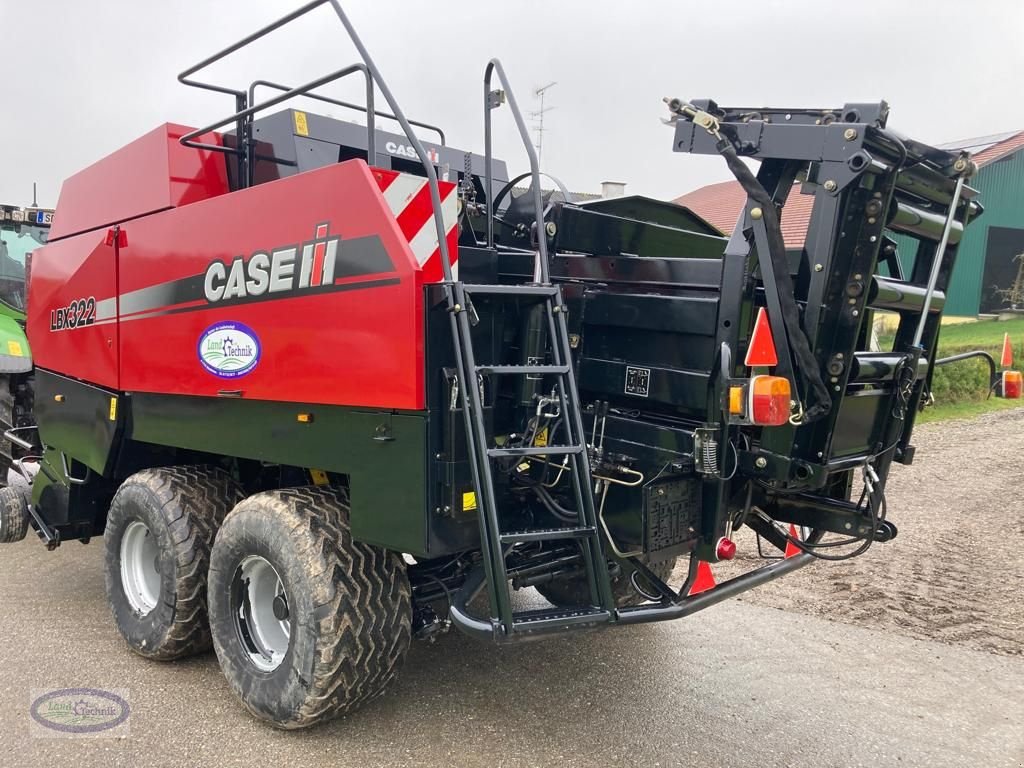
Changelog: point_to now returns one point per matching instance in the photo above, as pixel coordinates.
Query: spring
(709, 455)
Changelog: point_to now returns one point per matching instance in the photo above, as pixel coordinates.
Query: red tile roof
(999, 151)
(720, 204)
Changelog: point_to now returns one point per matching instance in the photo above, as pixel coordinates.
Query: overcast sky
(79, 79)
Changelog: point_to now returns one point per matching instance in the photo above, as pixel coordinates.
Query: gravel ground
(742, 684)
(955, 572)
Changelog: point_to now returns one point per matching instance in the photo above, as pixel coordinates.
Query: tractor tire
(14, 517)
(573, 590)
(6, 422)
(160, 529)
(307, 623)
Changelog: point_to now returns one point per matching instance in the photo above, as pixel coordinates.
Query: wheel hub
(261, 613)
(140, 567)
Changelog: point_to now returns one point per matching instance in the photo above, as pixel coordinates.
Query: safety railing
(492, 100)
(244, 110)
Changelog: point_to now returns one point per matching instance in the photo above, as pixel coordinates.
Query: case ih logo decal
(405, 151)
(283, 270)
(321, 265)
(229, 350)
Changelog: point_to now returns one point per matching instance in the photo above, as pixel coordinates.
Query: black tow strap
(808, 366)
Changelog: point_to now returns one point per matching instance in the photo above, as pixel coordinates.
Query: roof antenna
(34, 203)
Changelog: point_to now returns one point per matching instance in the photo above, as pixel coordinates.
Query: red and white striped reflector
(408, 197)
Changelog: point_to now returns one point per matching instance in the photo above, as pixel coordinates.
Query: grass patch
(966, 410)
(985, 334)
(960, 388)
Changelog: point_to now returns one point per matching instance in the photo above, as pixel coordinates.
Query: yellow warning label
(14, 348)
(541, 439)
(468, 501)
(301, 127)
(319, 476)
(113, 409)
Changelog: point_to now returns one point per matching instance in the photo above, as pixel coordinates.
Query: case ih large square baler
(322, 388)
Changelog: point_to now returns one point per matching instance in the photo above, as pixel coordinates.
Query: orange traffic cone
(791, 548)
(1007, 360)
(705, 579)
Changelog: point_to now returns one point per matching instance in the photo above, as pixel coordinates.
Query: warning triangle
(1007, 360)
(705, 579)
(791, 548)
(761, 351)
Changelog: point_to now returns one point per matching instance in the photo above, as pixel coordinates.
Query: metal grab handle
(67, 472)
(494, 65)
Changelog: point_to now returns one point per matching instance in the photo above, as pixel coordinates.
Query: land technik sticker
(80, 712)
(229, 350)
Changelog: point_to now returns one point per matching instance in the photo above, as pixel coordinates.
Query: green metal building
(986, 260)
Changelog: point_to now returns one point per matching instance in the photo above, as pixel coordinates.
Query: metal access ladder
(504, 623)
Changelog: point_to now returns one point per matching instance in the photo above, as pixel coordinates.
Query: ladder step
(511, 290)
(547, 534)
(552, 450)
(558, 619)
(522, 369)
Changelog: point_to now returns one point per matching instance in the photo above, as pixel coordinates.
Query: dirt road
(955, 572)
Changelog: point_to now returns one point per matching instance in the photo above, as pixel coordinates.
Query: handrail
(242, 115)
(993, 376)
(368, 67)
(373, 75)
(183, 78)
(348, 105)
(490, 102)
(371, 133)
(435, 191)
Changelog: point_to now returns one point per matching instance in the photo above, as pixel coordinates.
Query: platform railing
(242, 117)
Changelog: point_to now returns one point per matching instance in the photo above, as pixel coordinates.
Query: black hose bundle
(806, 362)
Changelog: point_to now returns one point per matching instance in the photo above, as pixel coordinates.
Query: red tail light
(1012, 384)
(769, 400)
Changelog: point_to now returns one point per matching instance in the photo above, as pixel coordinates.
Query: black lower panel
(384, 454)
(78, 418)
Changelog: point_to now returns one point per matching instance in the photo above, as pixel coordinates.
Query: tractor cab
(22, 230)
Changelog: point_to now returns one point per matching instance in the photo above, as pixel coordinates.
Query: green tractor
(22, 230)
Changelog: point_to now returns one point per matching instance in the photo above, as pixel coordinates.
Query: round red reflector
(726, 549)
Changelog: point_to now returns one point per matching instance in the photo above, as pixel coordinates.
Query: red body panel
(356, 339)
(71, 271)
(153, 173)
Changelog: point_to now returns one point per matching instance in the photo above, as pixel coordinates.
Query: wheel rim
(140, 569)
(262, 613)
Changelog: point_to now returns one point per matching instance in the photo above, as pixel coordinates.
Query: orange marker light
(761, 351)
(769, 400)
(1012, 381)
(736, 401)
